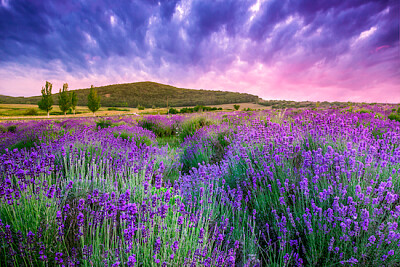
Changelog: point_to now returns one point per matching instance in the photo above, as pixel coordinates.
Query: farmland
(258, 188)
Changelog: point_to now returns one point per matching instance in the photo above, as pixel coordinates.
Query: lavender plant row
(312, 188)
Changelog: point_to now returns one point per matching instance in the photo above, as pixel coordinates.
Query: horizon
(305, 100)
(277, 50)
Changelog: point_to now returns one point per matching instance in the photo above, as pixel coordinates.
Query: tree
(236, 107)
(74, 101)
(64, 100)
(47, 100)
(93, 100)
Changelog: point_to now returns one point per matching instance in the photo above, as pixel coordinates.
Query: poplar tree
(47, 100)
(74, 101)
(93, 100)
(64, 100)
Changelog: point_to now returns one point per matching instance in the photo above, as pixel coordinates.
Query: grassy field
(20, 111)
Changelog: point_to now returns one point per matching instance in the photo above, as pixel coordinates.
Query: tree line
(67, 100)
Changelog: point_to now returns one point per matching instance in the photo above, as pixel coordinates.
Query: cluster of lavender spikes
(308, 188)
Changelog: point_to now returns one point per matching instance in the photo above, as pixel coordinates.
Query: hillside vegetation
(147, 94)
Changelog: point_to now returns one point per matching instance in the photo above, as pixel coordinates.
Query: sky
(277, 49)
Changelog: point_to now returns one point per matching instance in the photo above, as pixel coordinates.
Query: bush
(191, 126)
(2, 129)
(362, 111)
(139, 107)
(103, 123)
(12, 128)
(117, 109)
(31, 112)
(139, 140)
(394, 117)
(236, 107)
(186, 110)
(173, 111)
(156, 127)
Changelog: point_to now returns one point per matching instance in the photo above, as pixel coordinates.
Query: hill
(147, 94)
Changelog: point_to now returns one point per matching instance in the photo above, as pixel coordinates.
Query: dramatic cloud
(278, 49)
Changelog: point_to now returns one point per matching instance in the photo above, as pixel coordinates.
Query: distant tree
(93, 100)
(47, 100)
(74, 101)
(140, 107)
(173, 111)
(64, 99)
(236, 107)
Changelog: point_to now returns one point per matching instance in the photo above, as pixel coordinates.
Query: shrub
(186, 110)
(362, 111)
(173, 111)
(394, 117)
(31, 112)
(117, 109)
(12, 128)
(156, 127)
(236, 107)
(103, 123)
(139, 107)
(139, 140)
(191, 126)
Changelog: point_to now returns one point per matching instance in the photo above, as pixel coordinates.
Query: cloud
(347, 46)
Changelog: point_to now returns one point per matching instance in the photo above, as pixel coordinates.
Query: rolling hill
(147, 94)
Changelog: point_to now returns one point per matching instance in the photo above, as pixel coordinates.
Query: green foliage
(236, 107)
(46, 102)
(12, 128)
(173, 111)
(377, 133)
(186, 110)
(139, 107)
(31, 112)
(93, 100)
(198, 108)
(157, 128)
(394, 117)
(24, 144)
(64, 99)
(147, 94)
(103, 123)
(142, 140)
(117, 109)
(74, 100)
(3, 129)
(363, 111)
(171, 141)
(139, 140)
(189, 127)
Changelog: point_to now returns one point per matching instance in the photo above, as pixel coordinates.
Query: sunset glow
(292, 50)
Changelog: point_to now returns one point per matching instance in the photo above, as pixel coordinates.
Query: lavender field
(266, 188)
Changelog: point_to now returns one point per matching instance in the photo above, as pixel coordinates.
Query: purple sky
(277, 49)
